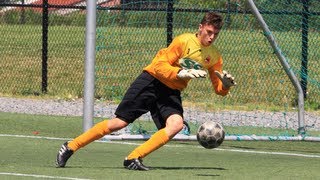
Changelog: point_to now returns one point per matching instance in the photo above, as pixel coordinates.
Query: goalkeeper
(157, 90)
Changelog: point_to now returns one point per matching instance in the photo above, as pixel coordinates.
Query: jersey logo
(188, 63)
(207, 60)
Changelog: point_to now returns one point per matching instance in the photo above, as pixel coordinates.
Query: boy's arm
(216, 82)
(166, 62)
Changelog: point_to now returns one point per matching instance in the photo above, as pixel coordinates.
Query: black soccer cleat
(134, 164)
(63, 155)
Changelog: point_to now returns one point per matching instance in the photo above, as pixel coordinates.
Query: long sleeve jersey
(186, 52)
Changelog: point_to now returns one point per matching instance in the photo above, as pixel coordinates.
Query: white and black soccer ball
(210, 135)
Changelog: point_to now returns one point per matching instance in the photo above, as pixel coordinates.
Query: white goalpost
(234, 118)
(90, 56)
(285, 65)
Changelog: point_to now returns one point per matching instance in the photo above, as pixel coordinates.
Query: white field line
(131, 143)
(39, 176)
(272, 153)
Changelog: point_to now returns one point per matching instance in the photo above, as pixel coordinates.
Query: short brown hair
(212, 18)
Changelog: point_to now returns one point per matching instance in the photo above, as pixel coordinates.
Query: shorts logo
(188, 63)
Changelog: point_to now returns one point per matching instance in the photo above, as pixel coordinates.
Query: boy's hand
(191, 73)
(226, 78)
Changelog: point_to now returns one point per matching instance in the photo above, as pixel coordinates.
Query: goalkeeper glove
(226, 78)
(191, 73)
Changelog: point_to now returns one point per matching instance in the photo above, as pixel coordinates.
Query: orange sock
(156, 141)
(95, 133)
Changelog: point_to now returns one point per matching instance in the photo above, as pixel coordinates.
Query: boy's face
(207, 34)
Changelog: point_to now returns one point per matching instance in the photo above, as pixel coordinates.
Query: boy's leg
(95, 133)
(173, 126)
(132, 106)
(157, 140)
(134, 162)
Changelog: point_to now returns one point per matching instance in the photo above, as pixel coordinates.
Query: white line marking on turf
(34, 137)
(130, 143)
(39, 176)
(275, 153)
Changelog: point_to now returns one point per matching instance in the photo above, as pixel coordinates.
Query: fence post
(169, 21)
(45, 23)
(304, 46)
(23, 14)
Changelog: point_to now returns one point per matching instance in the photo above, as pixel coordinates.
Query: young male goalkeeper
(157, 89)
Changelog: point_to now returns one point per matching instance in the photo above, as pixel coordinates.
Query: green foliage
(21, 17)
(31, 17)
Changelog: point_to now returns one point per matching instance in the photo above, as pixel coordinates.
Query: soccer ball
(210, 135)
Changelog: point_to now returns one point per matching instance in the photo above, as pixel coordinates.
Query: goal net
(263, 106)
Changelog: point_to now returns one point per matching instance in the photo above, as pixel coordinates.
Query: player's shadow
(207, 175)
(242, 147)
(187, 168)
(156, 168)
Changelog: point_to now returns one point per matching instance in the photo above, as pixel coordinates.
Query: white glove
(226, 78)
(191, 73)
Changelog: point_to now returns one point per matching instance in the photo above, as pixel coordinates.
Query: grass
(30, 124)
(101, 161)
(178, 160)
(247, 55)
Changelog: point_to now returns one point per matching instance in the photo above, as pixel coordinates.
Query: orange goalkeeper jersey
(186, 52)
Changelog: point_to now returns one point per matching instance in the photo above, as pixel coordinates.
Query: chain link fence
(42, 49)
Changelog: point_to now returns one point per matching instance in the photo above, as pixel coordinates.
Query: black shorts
(146, 94)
